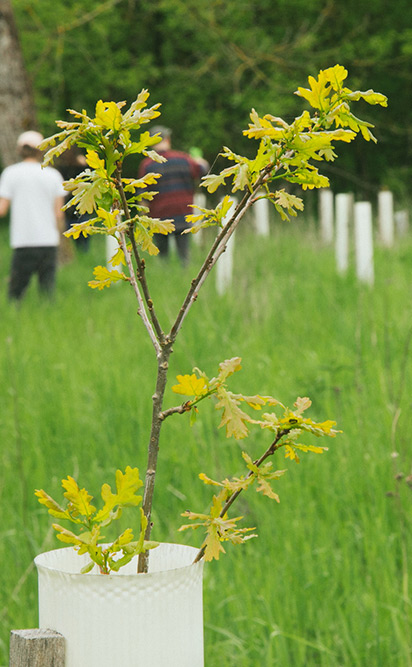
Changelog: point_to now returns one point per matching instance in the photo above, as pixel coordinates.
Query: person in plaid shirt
(175, 190)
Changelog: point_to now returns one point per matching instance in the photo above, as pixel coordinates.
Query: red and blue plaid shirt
(175, 187)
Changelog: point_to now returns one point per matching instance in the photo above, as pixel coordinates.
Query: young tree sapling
(285, 152)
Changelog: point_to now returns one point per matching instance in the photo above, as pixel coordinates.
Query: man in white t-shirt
(35, 197)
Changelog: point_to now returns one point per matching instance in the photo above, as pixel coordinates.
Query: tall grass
(327, 581)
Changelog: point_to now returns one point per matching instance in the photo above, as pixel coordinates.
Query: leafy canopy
(286, 151)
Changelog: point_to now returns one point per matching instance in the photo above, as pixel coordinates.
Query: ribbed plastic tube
(153, 619)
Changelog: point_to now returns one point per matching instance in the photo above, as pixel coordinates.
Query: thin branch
(177, 410)
(141, 274)
(153, 450)
(269, 452)
(141, 306)
(218, 247)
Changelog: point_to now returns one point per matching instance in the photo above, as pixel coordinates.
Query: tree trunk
(17, 112)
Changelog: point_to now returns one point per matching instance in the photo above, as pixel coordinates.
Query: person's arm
(203, 164)
(4, 206)
(198, 166)
(59, 214)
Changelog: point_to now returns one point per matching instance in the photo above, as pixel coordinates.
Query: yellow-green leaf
(228, 367)
(118, 258)
(190, 385)
(79, 499)
(233, 417)
(53, 507)
(127, 485)
(105, 277)
(211, 182)
(108, 218)
(95, 162)
(213, 545)
(336, 75)
(108, 115)
(291, 454)
(265, 488)
(161, 226)
(207, 480)
(302, 404)
(144, 239)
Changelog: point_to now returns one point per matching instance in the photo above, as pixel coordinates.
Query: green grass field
(327, 581)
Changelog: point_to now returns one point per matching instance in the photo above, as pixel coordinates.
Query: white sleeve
(5, 185)
(60, 191)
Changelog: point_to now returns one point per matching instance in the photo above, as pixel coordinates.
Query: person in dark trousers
(175, 190)
(35, 197)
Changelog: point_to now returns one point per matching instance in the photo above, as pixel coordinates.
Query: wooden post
(37, 648)
(343, 205)
(261, 211)
(326, 216)
(364, 242)
(385, 216)
(224, 265)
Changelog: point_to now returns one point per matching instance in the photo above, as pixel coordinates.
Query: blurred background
(208, 63)
(327, 584)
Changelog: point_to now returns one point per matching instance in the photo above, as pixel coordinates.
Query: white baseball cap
(30, 138)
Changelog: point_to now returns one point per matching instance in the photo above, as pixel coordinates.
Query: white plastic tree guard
(125, 618)
(343, 213)
(112, 247)
(326, 216)
(224, 265)
(364, 242)
(386, 218)
(261, 213)
(199, 201)
(401, 223)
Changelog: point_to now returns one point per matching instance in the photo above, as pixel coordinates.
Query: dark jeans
(28, 261)
(182, 244)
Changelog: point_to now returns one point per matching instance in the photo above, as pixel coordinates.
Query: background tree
(210, 61)
(17, 112)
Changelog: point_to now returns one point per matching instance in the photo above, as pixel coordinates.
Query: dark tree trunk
(17, 112)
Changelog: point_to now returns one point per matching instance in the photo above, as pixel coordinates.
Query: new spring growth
(91, 522)
(286, 153)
